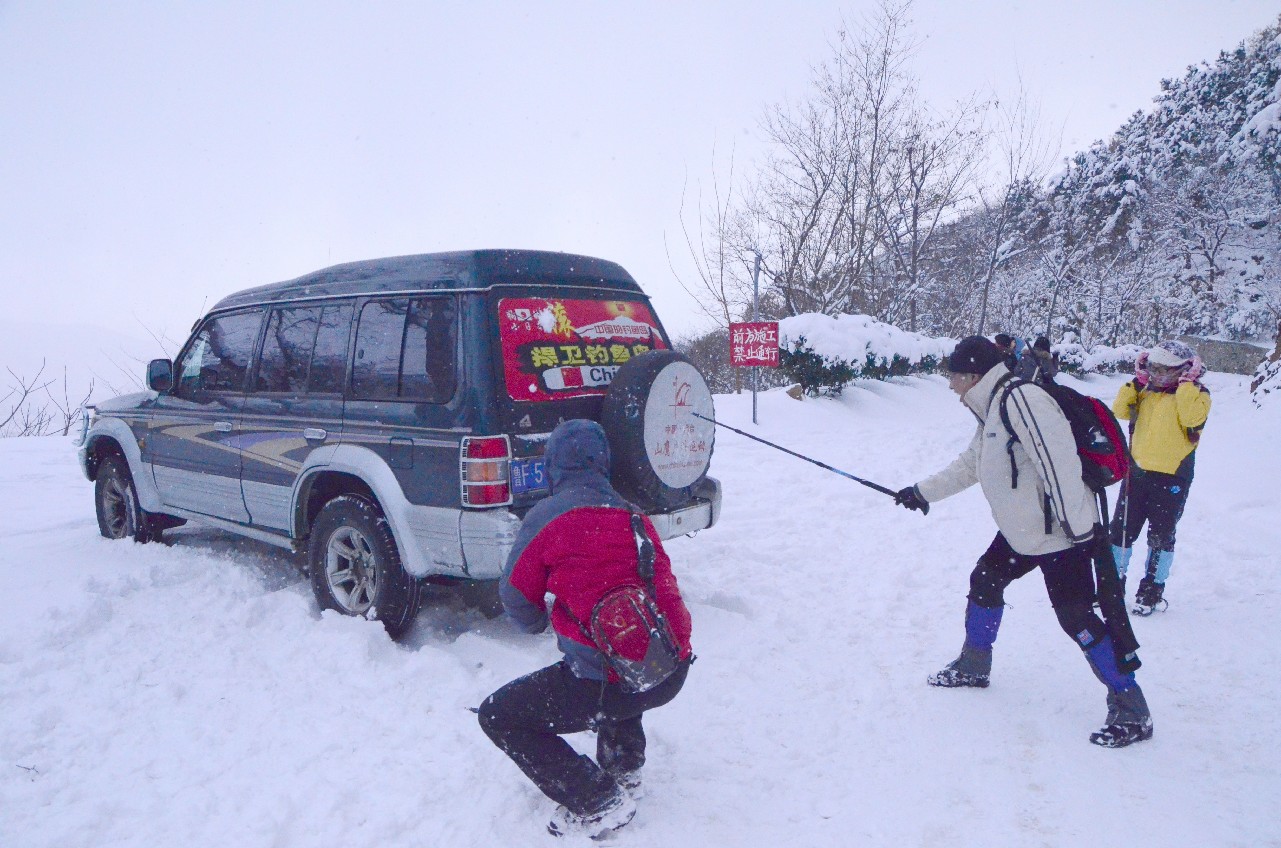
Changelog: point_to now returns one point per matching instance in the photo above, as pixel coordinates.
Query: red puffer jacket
(577, 544)
(584, 553)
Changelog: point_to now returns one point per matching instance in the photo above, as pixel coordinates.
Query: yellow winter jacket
(1168, 423)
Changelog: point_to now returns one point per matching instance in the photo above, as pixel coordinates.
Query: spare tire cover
(659, 450)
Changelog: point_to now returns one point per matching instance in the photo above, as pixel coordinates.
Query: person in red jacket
(577, 544)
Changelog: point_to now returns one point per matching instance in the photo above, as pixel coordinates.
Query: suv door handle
(314, 434)
(222, 426)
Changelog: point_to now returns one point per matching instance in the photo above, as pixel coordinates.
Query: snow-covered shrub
(1071, 356)
(1112, 360)
(1074, 359)
(817, 374)
(1265, 388)
(823, 353)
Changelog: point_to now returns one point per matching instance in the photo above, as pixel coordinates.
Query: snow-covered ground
(191, 695)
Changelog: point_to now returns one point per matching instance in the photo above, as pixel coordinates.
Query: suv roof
(464, 269)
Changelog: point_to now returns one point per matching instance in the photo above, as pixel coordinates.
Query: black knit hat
(974, 355)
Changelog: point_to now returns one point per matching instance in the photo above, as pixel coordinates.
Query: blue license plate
(527, 475)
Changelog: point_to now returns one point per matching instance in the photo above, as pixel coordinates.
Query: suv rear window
(557, 348)
(405, 350)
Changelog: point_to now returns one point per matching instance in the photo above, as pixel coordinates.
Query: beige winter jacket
(1049, 488)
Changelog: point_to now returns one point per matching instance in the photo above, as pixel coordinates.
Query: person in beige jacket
(1046, 518)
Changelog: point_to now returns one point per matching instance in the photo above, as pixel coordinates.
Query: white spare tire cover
(659, 449)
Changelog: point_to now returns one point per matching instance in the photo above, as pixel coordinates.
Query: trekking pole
(1125, 484)
(867, 483)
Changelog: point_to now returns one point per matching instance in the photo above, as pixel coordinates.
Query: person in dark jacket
(1046, 518)
(1012, 346)
(578, 544)
(1039, 363)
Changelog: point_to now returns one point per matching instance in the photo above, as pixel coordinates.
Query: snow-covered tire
(356, 568)
(659, 450)
(116, 503)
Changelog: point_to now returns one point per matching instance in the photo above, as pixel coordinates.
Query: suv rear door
(294, 404)
(404, 404)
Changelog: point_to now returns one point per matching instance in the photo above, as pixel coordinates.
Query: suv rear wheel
(356, 568)
(116, 503)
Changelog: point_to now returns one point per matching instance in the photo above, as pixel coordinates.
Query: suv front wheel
(355, 566)
(116, 502)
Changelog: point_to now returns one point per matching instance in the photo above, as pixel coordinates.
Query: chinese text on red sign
(754, 343)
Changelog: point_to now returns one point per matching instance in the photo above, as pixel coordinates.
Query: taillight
(485, 462)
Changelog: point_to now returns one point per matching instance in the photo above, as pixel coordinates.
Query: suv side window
(405, 349)
(329, 360)
(305, 350)
(286, 350)
(218, 358)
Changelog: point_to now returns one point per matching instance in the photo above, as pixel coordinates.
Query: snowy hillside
(191, 695)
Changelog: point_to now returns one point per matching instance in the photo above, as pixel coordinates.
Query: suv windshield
(556, 348)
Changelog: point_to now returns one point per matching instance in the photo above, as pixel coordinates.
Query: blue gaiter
(981, 624)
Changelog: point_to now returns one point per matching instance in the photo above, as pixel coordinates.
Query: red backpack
(629, 629)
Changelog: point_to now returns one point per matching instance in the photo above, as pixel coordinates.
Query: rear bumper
(701, 513)
(487, 535)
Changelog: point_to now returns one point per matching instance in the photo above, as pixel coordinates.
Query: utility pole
(756, 316)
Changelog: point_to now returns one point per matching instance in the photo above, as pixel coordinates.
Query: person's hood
(979, 397)
(577, 451)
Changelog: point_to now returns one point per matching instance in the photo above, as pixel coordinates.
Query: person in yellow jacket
(1167, 407)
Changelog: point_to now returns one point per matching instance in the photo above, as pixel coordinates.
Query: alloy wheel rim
(351, 570)
(115, 508)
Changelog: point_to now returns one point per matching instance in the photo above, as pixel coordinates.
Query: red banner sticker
(754, 343)
(570, 348)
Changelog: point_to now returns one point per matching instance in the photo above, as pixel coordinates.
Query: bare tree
(799, 208)
(927, 180)
(19, 416)
(1024, 152)
(64, 409)
(873, 72)
(716, 250)
(818, 201)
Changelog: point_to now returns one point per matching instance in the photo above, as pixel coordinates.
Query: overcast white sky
(155, 156)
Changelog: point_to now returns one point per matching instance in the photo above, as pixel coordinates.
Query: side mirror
(160, 375)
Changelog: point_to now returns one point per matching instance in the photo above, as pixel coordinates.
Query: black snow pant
(1069, 579)
(1152, 497)
(526, 718)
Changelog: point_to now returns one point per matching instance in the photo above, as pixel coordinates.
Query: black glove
(912, 499)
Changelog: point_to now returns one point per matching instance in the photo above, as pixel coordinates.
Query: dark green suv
(389, 418)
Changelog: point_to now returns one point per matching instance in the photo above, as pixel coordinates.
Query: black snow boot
(971, 669)
(1128, 720)
(616, 813)
(1149, 598)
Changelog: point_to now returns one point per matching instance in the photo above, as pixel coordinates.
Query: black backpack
(1100, 441)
